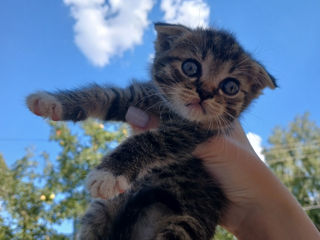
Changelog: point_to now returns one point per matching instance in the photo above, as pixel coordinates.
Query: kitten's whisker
(153, 105)
(160, 104)
(145, 97)
(222, 124)
(229, 114)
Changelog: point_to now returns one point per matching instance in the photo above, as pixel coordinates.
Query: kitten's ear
(167, 34)
(266, 79)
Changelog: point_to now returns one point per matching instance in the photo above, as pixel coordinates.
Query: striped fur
(202, 80)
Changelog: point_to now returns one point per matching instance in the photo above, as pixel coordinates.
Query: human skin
(261, 206)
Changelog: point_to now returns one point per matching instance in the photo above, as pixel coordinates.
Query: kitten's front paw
(45, 105)
(103, 184)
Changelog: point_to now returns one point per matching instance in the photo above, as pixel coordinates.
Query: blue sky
(47, 45)
(39, 51)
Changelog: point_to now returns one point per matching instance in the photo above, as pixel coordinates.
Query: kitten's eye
(191, 68)
(230, 86)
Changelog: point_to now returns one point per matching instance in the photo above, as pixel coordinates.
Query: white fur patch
(45, 105)
(105, 185)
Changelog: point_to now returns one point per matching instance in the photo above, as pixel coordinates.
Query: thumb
(140, 121)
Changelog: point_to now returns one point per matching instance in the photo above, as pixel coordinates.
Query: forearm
(277, 217)
(274, 213)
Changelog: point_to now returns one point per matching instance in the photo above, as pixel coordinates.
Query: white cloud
(192, 13)
(103, 30)
(255, 140)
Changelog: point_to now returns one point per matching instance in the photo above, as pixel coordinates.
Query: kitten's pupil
(230, 86)
(191, 68)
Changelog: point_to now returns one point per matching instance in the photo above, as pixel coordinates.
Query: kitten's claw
(105, 185)
(45, 105)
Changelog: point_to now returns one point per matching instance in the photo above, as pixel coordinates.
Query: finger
(137, 117)
(140, 121)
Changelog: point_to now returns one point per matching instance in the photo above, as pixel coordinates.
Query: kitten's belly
(149, 218)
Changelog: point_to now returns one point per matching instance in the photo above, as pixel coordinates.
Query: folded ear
(265, 79)
(167, 34)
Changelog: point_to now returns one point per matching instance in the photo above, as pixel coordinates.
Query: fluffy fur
(202, 80)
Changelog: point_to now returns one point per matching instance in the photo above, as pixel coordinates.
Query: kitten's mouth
(196, 105)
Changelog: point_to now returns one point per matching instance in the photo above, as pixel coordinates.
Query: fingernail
(137, 117)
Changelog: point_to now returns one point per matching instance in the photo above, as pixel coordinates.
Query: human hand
(260, 206)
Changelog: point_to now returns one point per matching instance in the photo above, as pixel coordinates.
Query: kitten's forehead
(221, 45)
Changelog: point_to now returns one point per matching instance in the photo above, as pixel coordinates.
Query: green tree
(294, 156)
(33, 199)
(5, 232)
(222, 234)
(23, 212)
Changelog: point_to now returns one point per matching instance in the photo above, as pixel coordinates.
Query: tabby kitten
(202, 80)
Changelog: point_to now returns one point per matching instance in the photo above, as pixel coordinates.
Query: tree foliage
(36, 198)
(294, 156)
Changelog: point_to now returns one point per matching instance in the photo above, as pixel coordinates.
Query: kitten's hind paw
(103, 184)
(45, 105)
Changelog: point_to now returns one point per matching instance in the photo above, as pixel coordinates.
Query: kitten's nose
(203, 94)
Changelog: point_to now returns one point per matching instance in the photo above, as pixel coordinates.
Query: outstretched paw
(45, 105)
(103, 184)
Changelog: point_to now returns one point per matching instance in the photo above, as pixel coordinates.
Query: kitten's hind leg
(180, 228)
(94, 224)
(97, 222)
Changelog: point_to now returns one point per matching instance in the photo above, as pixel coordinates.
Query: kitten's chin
(198, 114)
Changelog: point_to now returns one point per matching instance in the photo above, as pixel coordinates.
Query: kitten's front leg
(135, 157)
(105, 103)
(77, 104)
(119, 169)
(104, 184)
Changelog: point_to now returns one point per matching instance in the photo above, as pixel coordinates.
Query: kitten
(202, 80)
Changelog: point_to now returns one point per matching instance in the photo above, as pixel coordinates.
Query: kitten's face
(205, 75)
